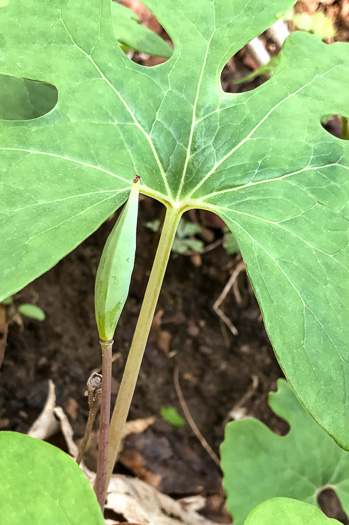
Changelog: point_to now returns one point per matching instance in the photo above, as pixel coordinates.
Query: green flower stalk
(111, 291)
(115, 268)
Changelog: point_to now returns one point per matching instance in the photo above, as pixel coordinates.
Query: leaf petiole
(130, 375)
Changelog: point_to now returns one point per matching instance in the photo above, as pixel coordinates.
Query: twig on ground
(213, 245)
(236, 292)
(191, 421)
(236, 412)
(223, 295)
(94, 393)
(225, 334)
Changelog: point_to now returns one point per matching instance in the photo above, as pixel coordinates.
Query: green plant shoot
(32, 311)
(170, 414)
(116, 266)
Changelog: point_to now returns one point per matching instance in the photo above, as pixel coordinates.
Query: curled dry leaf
(140, 503)
(46, 424)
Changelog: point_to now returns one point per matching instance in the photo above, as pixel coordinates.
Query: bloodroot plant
(260, 160)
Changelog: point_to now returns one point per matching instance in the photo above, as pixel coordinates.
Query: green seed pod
(116, 266)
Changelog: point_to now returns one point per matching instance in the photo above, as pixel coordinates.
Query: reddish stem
(100, 483)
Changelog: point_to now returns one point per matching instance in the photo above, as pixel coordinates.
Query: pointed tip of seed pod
(136, 179)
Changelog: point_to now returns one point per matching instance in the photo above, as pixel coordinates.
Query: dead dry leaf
(46, 425)
(140, 503)
(71, 408)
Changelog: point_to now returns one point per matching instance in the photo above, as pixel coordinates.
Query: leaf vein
(127, 107)
(249, 135)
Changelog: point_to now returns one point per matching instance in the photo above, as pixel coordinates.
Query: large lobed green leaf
(259, 465)
(22, 99)
(40, 484)
(261, 160)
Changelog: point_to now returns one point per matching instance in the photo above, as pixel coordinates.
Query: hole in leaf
(243, 71)
(329, 503)
(139, 33)
(336, 125)
(22, 99)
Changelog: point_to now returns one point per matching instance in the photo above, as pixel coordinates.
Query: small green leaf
(195, 244)
(284, 511)
(230, 243)
(186, 228)
(183, 245)
(129, 32)
(153, 225)
(179, 246)
(170, 414)
(298, 465)
(183, 241)
(115, 268)
(262, 70)
(40, 484)
(32, 311)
